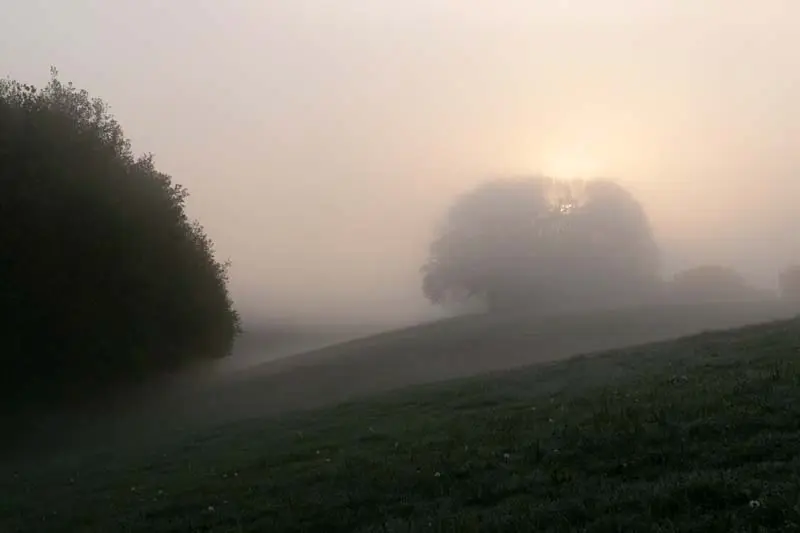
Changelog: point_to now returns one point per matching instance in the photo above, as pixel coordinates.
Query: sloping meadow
(700, 434)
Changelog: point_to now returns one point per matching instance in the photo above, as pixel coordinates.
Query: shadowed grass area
(699, 434)
(447, 349)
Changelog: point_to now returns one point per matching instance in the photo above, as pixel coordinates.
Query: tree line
(544, 245)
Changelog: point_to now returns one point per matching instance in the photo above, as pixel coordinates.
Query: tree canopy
(545, 244)
(713, 283)
(103, 277)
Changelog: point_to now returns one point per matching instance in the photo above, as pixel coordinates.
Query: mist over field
(384, 265)
(322, 142)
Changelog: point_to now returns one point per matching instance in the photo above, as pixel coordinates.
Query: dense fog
(322, 142)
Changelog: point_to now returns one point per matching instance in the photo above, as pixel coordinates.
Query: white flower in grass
(437, 474)
(755, 504)
(211, 508)
(506, 456)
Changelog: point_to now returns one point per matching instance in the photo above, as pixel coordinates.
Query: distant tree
(713, 283)
(103, 277)
(790, 284)
(544, 244)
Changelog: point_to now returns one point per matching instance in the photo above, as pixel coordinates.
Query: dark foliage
(103, 278)
(544, 244)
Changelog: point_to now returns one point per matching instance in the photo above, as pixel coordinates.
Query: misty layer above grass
(698, 434)
(455, 348)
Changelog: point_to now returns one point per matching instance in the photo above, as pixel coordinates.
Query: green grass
(699, 434)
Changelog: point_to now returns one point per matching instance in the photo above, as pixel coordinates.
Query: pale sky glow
(321, 139)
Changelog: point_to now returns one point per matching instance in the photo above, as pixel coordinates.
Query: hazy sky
(320, 139)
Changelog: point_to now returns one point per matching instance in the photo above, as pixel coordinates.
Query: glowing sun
(571, 165)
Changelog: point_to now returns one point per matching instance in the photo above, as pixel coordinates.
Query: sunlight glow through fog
(323, 140)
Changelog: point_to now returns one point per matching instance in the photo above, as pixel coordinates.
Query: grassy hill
(448, 349)
(698, 434)
(259, 344)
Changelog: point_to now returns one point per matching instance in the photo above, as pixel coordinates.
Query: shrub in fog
(103, 277)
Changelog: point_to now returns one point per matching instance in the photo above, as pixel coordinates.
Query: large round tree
(103, 277)
(543, 244)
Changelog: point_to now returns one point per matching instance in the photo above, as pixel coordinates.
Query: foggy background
(322, 140)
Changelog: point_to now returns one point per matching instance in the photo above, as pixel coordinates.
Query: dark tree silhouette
(103, 278)
(543, 244)
(713, 283)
